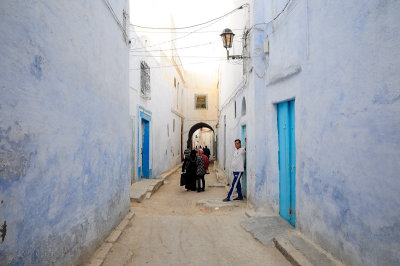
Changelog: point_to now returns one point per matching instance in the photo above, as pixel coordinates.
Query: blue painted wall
(64, 129)
(340, 61)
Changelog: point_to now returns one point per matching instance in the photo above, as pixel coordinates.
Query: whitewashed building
(321, 94)
(64, 128)
(156, 88)
(200, 108)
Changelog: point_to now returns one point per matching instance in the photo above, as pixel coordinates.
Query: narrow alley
(171, 228)
(295, 102)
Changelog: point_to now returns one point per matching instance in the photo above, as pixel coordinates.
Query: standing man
(238, 169)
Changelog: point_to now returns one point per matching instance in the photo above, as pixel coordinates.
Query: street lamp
(227, 39)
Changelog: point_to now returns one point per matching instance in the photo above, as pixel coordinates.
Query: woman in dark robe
(190, 167)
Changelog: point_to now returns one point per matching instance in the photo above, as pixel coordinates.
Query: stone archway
(193, 129)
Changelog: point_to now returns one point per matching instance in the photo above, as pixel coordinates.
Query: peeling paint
(339, 61)
(14, 153)
(65, 141)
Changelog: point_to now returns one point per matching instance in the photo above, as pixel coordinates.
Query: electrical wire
(181, 56)
(178, 37)
(180, 48)
(192, 26)
(143, 49)
(275, 18)
(116, 19)
(169, 32)
(195, 63)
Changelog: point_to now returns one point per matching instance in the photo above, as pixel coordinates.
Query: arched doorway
(243, 106)
(193, 129)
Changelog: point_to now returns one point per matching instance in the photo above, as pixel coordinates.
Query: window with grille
(200, 101)
(144, 80)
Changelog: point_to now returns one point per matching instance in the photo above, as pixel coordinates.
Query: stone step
(301, 251)
(146, 187)
(141, 189)
(273, 230)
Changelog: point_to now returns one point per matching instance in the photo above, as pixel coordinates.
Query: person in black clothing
(206, 152)
(189, 168)
(186, 153)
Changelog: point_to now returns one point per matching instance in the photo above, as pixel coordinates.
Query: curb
(101, 253)
(290, 252)
(153, 184)
(299, 250)
(164, 175)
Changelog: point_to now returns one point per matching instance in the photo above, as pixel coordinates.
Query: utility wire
(116, 19)
(181, 56)
(195, 63)
(187, 47)
(143, 49)
(187, 27)
(178, 37)
(169, 32)
(275, 18)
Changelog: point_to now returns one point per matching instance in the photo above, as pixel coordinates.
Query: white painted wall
(165, 140)
(64, 129)
(233, 87)
(200, 84)
(338, 60)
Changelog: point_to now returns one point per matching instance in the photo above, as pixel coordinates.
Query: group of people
(196, 164)
(194, 167)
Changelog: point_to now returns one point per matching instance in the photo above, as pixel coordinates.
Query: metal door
(287, 161)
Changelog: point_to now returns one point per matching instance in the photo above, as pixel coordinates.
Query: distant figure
(200, 172)
(206, 152)
(238, 169)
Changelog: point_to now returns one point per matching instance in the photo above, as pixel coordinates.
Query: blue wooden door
(146, 149)
(287, 161)
(292, 165)
(244, 177)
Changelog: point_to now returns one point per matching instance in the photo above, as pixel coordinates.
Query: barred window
(200, 101)
(144, 80)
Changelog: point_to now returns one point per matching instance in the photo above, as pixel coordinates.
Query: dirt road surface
(170, 229)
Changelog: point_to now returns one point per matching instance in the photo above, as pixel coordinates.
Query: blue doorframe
(144, 169)
(146, 149)
(287, 161)
(244, 177)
